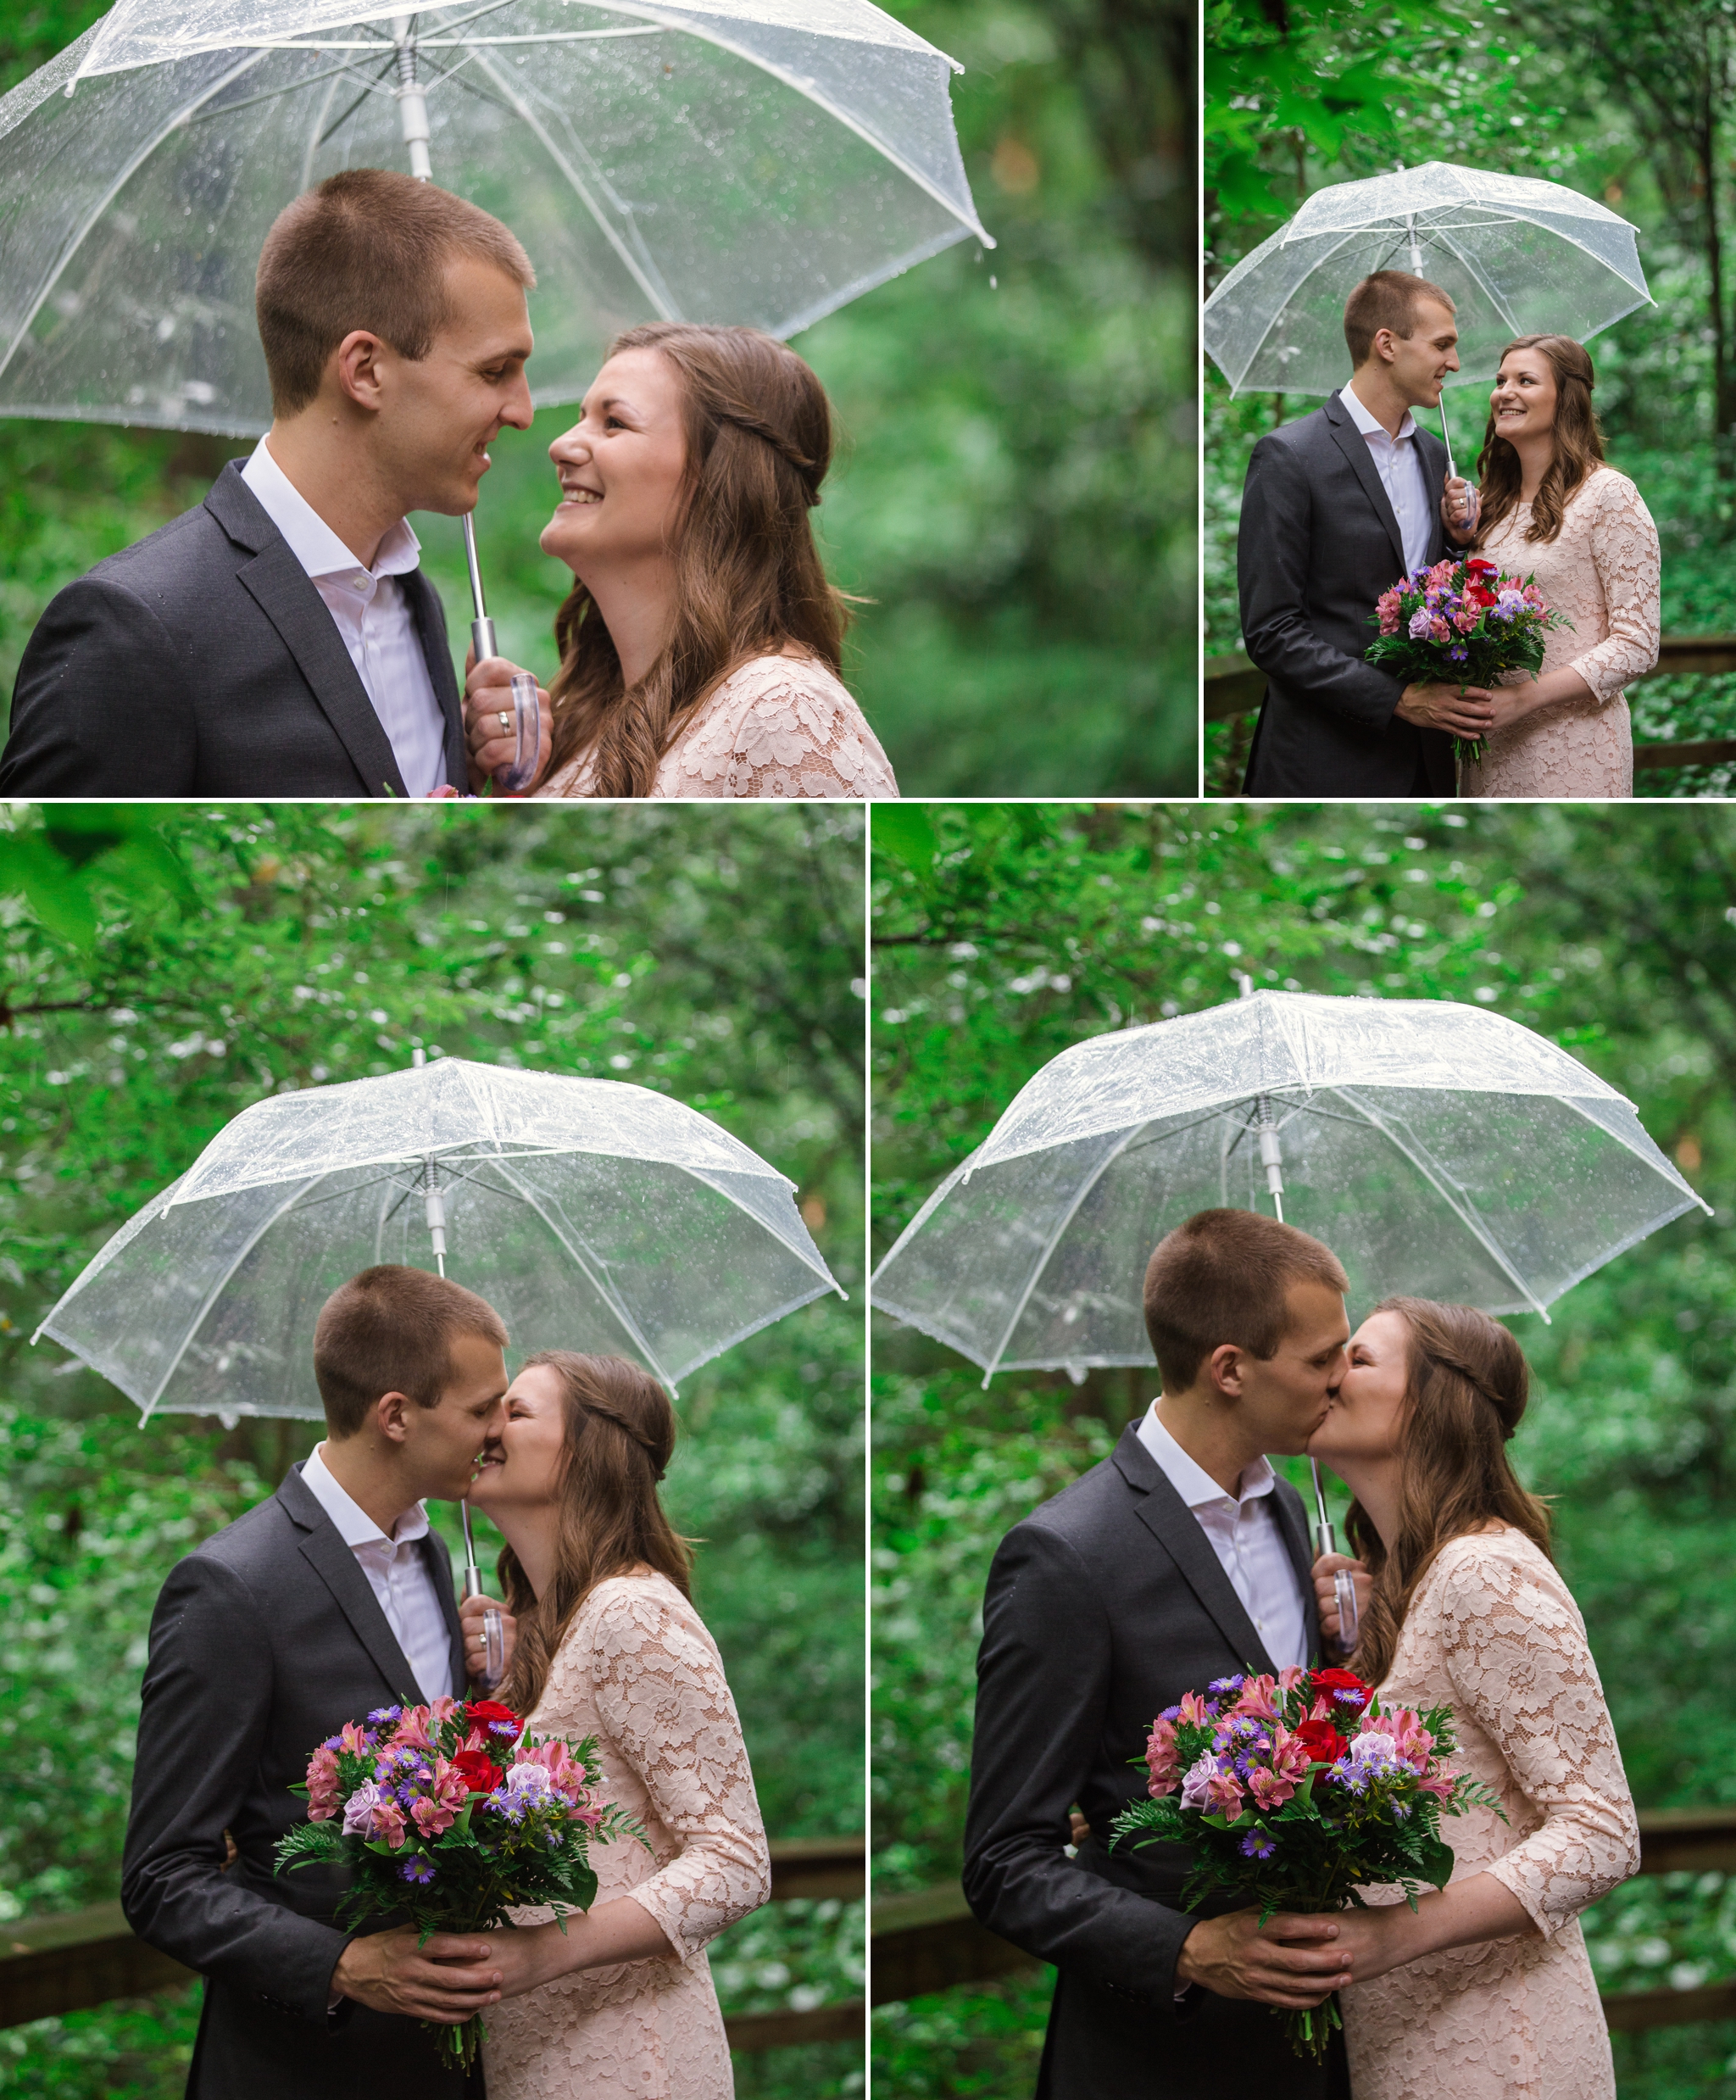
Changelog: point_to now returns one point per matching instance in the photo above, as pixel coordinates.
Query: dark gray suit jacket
(265, 1641)
(201, 662)
(1103, 1607)
(1317, 545)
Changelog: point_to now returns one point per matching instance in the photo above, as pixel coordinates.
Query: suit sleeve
(104, 702)
(1042, 1687)
(1277, 527)
(207, 1703)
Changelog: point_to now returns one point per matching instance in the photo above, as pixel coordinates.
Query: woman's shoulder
(783, 726)
(1608, 492)
(790, 672)
(1480, 1568)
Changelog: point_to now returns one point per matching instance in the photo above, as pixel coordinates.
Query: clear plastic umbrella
(1518, 256)
(749, 161)
(1438, 1149)
(759, 161)
(591, 1214)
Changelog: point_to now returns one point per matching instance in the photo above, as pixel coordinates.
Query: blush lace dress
(1494, 1633)
(1601, 570)
(638, 1670)
(779, 726)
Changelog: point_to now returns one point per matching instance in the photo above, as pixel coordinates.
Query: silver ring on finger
(505, 719)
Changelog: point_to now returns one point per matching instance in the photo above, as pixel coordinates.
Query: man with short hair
(281, 638)
(1338, 506)
(323, 1604)
(1180, 1559)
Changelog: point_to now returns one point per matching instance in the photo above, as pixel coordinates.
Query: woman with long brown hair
(1485, 1989)
(1550, 506)
(701, 648)
(608, 1644)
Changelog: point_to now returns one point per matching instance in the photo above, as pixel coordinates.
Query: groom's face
(438, 414)
(443, 1442)
(1422, 360)
(1285, 1396)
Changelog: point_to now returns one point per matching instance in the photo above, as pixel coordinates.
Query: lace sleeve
(1624, 550)
(661, 1695)
(1517, 1659)
(783, 728)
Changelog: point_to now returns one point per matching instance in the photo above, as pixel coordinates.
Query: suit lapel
(1176, 1530)
(284, 592)
(281, 589)
(431, 630)
(1293, 1526)
(438, 1563)
(336, 1566)
(1354, 447)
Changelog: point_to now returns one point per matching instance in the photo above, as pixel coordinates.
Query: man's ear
(391, 1413)
(1226, 1368)
(356, 365)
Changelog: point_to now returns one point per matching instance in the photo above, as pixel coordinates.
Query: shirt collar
(1190, 1479)
(311, 540)
(1367, 424)
(355, 1527)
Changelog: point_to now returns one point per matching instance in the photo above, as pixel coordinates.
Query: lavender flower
(418, 1870)
(1421, 624)
(1259, 1844)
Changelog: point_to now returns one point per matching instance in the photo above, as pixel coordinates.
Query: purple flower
(1199, 1775)
(359, 1810)
(381, 1715)
(1225, 1683)
(1420, 622)
(1259, 1844)
(416, 1868)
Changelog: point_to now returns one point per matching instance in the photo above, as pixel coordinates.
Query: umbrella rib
(661, 301)
(211, 1296)
(114, 190)
(1061, 1224)
(605, 1290)
(272, 94)
(1436, 1178)
(1480, 277)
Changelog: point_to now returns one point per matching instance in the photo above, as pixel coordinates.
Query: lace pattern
(638, 1670)
(781, 727)
(1602, 571)
(1494, 1633)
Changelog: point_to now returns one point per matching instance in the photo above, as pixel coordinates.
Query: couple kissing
(1184, 1559)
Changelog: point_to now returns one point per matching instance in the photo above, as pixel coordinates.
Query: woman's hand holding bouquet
(1292, 1791)
(450, 1815)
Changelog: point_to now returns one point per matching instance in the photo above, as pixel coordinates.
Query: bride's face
(520, 1468)
(1523, 403)
(1366, 1420)
(620, 467)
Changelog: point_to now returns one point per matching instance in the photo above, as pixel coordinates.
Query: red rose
(479, 1713)
(1323, 1742)
(479, 1771)
(1478, 564)
(1336, 1683)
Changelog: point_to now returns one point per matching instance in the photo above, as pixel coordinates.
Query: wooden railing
(50, 1966)
(1233, 687)
(929, 1941)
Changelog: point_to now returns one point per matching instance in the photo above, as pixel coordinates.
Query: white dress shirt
(1398, 462)
(397, 1575)
(1244, 1535)
(368, 609)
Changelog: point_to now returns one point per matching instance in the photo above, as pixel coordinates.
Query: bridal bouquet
(450, 1814)
(1294, 1789)
(1462, 623)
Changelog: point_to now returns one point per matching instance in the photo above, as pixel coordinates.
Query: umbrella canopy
(1517, 257)
(1438, 1149)
(751, 161)
(591, 1214)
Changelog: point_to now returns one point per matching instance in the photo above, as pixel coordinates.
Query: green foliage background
(159, 970)
(1623, 100)
(1015, 491)
(1002, 934)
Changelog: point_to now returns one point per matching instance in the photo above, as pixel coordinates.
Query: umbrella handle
(527, 720)
(1344, 1597)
